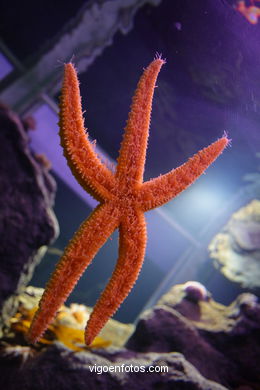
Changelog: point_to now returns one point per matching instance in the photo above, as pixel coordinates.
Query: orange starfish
(123, 200)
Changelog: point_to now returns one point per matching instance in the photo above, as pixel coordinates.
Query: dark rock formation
(27, 222)
(187, 341)
(222, 342)
(61, 360)
(58, 368)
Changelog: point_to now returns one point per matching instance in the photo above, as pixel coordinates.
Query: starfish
(123, 200)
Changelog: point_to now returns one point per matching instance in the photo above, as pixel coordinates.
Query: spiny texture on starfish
(123, 200)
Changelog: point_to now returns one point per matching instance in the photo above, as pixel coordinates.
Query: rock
(62, 356)
(67, 327)
(58, 368)
(222, 342)
(27, 222)
(196, 342)
(236, 249)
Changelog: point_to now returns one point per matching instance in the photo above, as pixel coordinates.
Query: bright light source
(205, 199)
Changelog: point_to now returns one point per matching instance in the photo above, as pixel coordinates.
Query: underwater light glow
(206, 200)
(5, 66)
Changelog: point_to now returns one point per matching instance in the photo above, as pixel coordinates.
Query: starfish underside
(123, 200)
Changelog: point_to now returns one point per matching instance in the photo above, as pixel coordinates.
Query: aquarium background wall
(210, 85)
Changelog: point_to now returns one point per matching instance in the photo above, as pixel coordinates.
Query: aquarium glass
(208, 86)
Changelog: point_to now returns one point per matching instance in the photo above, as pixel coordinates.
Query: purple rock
(27, 222)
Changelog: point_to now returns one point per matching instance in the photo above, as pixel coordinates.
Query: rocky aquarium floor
(197, 342)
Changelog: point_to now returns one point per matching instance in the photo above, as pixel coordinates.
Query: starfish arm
(81, 157)
(132, 243)
(160, 190)
(133, 149)
(91, 235)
